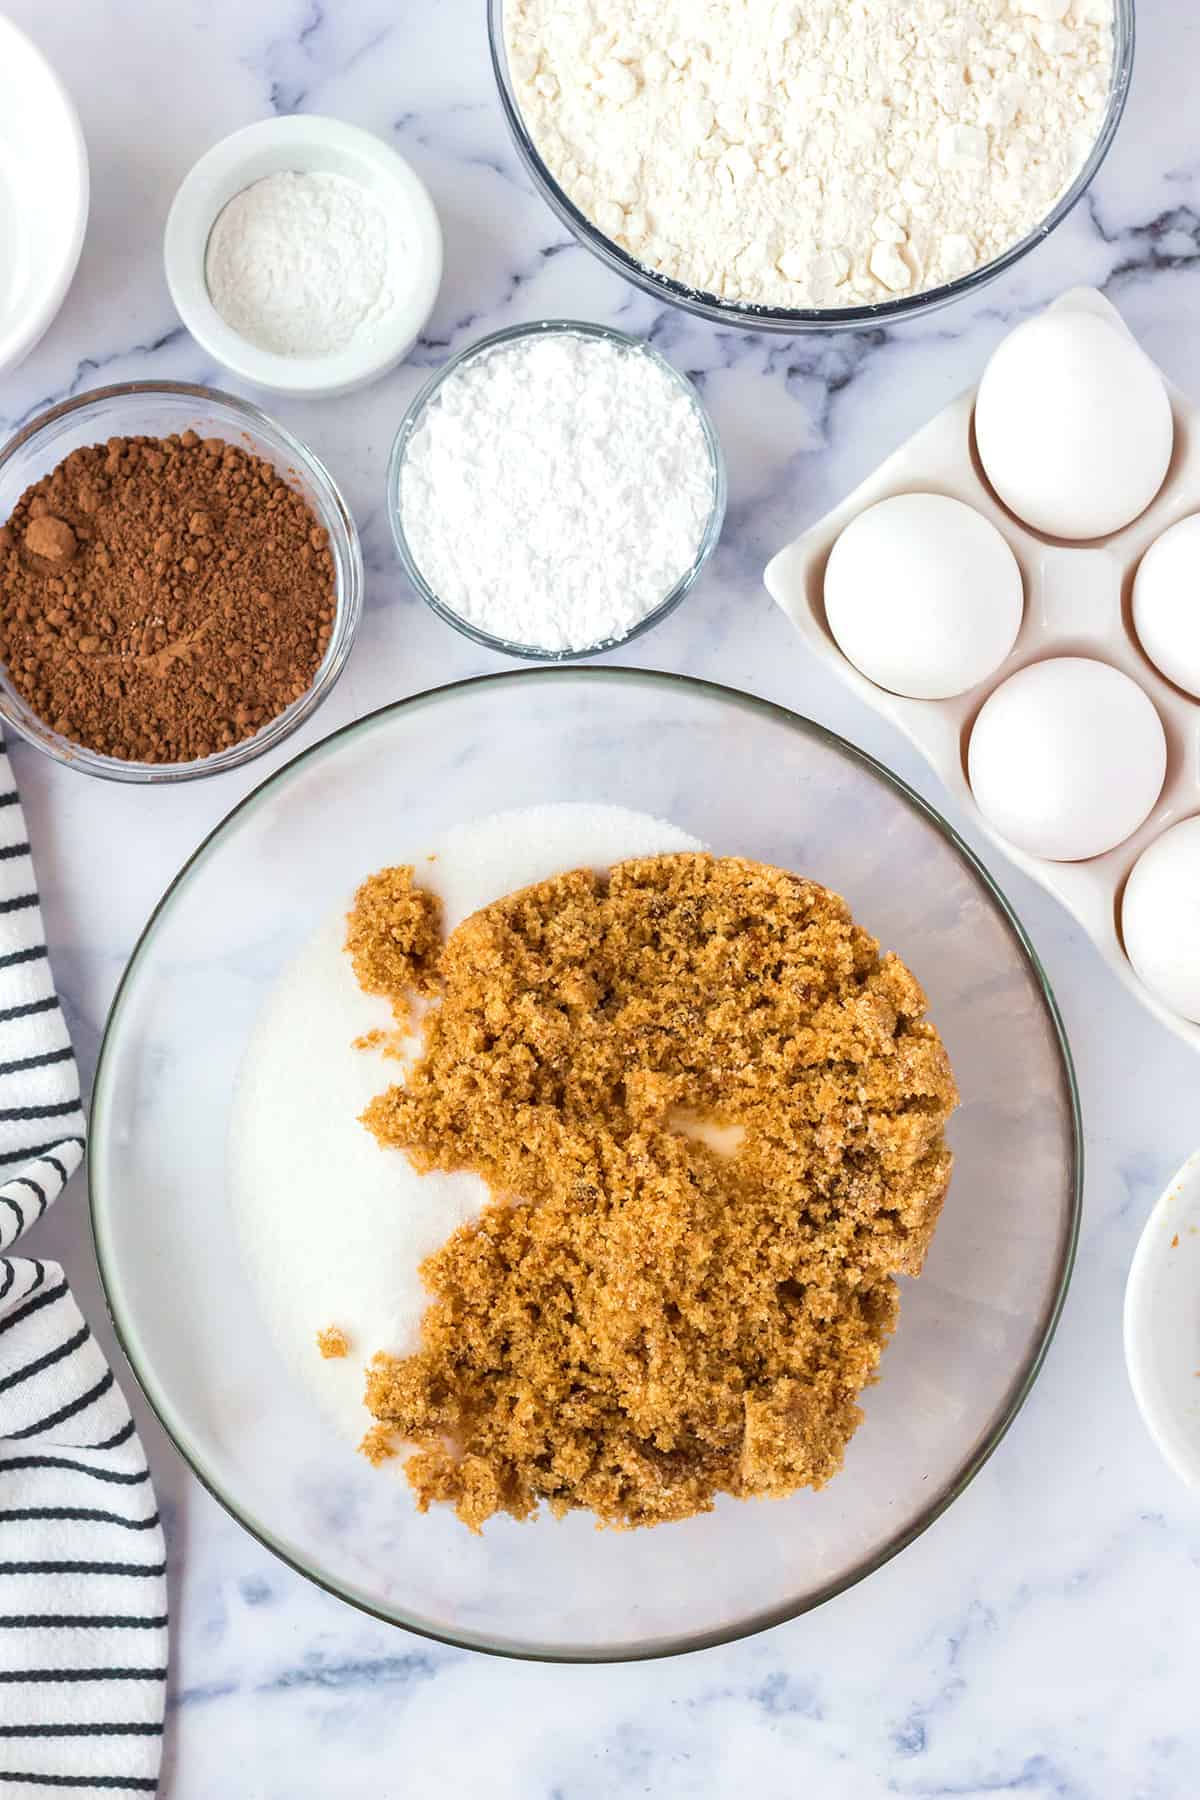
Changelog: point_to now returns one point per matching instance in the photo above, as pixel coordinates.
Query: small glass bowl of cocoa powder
(180, 582)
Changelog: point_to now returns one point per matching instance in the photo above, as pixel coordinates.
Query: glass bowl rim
(767, 1618)
(797, 319)
(334, 514)
(427, 393)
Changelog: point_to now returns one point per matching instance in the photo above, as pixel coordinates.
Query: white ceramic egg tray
(1077, 603)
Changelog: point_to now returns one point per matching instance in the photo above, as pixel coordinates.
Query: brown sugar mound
(163, 598)
(638, 1323)
(394, 942)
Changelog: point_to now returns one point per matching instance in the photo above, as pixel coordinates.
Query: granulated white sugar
(333, 1226)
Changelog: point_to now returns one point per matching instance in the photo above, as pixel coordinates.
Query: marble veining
(1043, 1638)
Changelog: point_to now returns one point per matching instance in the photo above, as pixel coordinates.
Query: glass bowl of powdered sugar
(555, 490)
(791, 167)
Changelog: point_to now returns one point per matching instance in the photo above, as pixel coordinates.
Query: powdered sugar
(822, 154)
(556, 490)
(300, 264)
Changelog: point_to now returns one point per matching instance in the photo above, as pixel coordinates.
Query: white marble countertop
(1043, 1638)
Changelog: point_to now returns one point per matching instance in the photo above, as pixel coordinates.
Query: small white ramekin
(301, 143)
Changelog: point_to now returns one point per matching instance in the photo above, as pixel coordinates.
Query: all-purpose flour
(557, 489)
(334, 1227)
(813, 153)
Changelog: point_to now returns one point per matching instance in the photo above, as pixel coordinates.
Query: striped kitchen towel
(83, 1593)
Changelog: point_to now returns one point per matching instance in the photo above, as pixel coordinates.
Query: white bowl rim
(227, 168)
(1144, 1325)
(23, 338)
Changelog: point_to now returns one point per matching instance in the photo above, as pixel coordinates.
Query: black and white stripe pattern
(83, 1609)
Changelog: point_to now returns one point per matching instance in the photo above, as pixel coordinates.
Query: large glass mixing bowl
(792, 319)
(748, 778)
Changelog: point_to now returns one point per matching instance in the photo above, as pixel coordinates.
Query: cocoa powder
(163, 598)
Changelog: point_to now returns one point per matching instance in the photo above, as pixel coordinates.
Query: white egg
(923, 595)
(1073, 425)
(1066, 758)
(1166, 604)
(1160, 918)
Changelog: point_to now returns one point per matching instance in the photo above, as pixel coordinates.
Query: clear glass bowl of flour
(785, 319)
(708, 446)
(259, 1415)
